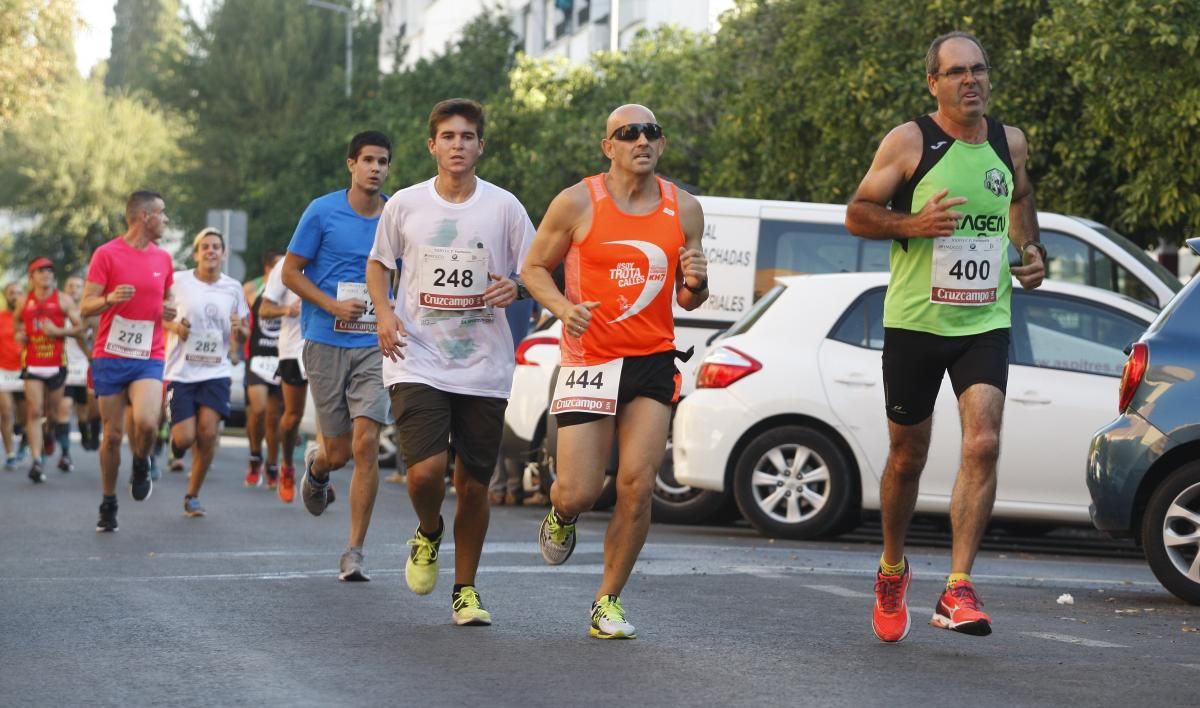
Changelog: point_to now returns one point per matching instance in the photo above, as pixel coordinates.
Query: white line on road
(1068, 639)
(838, 590)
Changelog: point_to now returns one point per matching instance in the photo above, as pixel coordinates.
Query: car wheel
(675, 503)
(793, 482)
(1171, 533)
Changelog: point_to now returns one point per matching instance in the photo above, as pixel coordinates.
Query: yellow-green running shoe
(608, 619)
(556, 539)
(467, 609)
(421, 570)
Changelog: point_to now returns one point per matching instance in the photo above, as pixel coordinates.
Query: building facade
(421, 29)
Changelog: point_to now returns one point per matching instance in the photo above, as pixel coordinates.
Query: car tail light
(724, 366)
(530, 343)
(1135, 371)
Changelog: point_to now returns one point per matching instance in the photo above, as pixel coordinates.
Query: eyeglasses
(631, 132)
(958, 73)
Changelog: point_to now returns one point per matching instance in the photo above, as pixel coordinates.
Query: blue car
(1143, 468)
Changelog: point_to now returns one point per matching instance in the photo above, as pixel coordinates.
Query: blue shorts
(111, 375)
(184, 399)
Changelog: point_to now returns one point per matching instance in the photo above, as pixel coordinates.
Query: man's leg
(427, 491)
(207, 424)
(112, 415)
(472, 513)
(145, 399)
(289, 425)
(271, 426)
(256, 414)
(642, 428)
(35, 411)
(981, 408)
(364, 484)
(907, 452)
(6, 424)
(583, 452)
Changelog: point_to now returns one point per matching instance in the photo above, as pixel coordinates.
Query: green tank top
(982, 173)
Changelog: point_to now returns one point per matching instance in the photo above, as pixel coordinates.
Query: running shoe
(329, 494)
(47, 445)
(958, 609)
(36, 475)
(287, 484)
(467, 609)
(421, 569)
(140, 484)
(351, 566)
(155, 470)
(108, 517)
(253, 473)
(556, 539)
(890, 620)
(65, 464)
(608, 619)
(10, 463)
(314, 494)
(191, 507)
(272, 477)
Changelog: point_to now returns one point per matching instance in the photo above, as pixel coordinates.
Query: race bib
(966, 270)
(355, 291)
(130, 339)
(452, 278)
(587, 389)
(204, 348)
(266, 368)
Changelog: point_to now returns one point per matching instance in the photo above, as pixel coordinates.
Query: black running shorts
(915, 362)
(652, 376)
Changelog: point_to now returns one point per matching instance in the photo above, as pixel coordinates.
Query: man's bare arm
(299, 283)
(693, 270)
(550, 245)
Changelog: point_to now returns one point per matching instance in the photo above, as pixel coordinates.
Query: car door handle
(1030, 398)
(855, 380)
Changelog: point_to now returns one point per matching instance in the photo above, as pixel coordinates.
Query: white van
(751, 242)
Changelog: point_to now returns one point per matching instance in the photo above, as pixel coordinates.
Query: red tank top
(627, 262)
(10, 351)
(42, 349)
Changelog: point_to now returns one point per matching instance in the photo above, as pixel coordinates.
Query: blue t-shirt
(336, 240)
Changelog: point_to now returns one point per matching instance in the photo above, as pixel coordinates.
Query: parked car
(788, 414)
(751, 242)
(1143, 469)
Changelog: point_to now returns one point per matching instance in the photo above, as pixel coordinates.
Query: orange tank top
(627, 263)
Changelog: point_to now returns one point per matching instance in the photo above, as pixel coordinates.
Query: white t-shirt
(446, 248)
(290, 340)
(207, 307)
(77, 364)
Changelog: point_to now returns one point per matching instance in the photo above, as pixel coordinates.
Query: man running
(211, 312)
(326, 266)
(630, 241)
(264, 400)
(77, 394)
(279, 302)
(958, 190)
(44, 314)
(450, 355)
(10, 374)
(129, 286)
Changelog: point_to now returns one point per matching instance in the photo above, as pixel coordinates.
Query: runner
(212, 311)
(264, 400)
(279, 302)
(77, 394)
(10, 373)
(129, 286)
(460, 238)
(44, 314)
(624, 235)
(958, 190)
(326, 266)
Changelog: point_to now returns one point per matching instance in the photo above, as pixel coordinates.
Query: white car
(788, 413)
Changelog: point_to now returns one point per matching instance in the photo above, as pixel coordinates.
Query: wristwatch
(702, 288)
(1038, 245)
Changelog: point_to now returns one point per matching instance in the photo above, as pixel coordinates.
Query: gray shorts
(345, 384)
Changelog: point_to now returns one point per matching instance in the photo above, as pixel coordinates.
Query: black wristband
(522, 291)
(702, 288)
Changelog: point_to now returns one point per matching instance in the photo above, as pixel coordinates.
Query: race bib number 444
(452, 278)
(966, 270)
(131, 339)
(355, 291)
(588, 389)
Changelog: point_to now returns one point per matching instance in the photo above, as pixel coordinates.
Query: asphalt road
(244, 607)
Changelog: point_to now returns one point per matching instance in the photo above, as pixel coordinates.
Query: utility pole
(349, 15)
(614, 26)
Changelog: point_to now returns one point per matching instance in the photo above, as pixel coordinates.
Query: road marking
(1080, 641)
(838, 590)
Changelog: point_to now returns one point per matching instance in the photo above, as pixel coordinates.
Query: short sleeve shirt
(207, 307)
(150, 272)
(336, 241)
(290, 340)
(458, 351)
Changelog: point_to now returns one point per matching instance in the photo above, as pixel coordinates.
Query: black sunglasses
(630, 132)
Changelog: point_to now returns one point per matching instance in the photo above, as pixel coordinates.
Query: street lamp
(348, 13)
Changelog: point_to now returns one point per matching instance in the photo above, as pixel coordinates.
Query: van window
(1056, 332)
(862, 325)
(796, 247)
(1074, 261)
(1111, 276)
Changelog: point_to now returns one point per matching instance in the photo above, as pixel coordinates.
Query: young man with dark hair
(449, 352)
(326, 266)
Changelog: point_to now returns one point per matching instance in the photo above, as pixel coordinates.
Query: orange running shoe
(958, 610)
(287, 484)
(253, 476)
(890, 619)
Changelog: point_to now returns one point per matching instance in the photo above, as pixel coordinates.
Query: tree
(36, 51)
(74, 168)
(147, 45)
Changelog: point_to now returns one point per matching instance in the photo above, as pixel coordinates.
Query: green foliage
(147, 46)
(36, 51)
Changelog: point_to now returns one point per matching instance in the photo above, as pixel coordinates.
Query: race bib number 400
(355, 291)
(204, 348)
(131, 339)
(966, 270)
(452, 278)
(588, 389)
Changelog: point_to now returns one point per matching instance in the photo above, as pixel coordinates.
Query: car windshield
(1132, 249)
